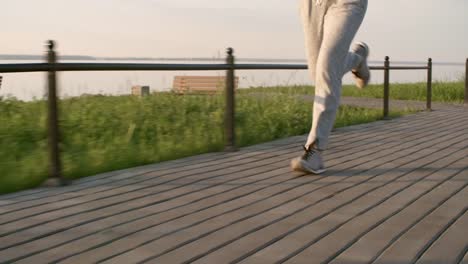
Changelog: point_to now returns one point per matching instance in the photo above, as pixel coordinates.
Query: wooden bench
(200, 84)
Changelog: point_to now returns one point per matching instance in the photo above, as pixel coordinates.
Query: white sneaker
(310, 162)
(362, 72)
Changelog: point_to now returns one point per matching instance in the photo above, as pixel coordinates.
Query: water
(27, 86)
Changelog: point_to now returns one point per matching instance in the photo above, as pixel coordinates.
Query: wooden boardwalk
(396, 192)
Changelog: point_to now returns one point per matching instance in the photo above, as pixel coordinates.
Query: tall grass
(448, 92)
(104, 133)
(22, 144)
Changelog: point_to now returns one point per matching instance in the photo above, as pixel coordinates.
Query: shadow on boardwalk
(396, 192)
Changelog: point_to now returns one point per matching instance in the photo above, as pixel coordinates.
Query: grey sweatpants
(329, 28)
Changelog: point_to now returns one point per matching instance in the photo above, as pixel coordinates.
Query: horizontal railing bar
(139, 67)
(270, 67)
(42, 67)
(24, 67)
(304, 67)
(408, 68)
(110, 67)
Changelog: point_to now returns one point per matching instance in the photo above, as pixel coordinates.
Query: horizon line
(94, 58)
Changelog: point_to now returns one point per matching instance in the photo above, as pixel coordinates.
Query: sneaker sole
(298, 165)
(361, 82)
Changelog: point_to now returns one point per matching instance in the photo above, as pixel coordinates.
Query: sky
(410, 30)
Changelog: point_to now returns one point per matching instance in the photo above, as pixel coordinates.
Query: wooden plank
(208, 80)
(195, 77)
(161, 245)
(183, 84)
(402, 125)
(465, 259)
(327, 247)
(371, 244)
(188, 85)
(450, 246)
(412, 243)
(140, 219)
(281, 247)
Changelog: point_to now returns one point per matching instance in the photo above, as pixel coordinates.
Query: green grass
(451, 92)
(448, 92)
(104, 133)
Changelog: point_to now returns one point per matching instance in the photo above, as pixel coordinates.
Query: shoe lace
(308, 153)
(356, 73)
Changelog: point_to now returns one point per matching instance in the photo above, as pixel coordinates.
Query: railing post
(466, 83)
(55, 173)
(386, 87)
(229, 119)
(429, 85)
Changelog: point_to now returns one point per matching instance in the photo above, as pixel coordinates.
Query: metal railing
(466, 83)
(52, 67)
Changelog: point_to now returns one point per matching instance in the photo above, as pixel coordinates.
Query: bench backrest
(200, 84)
